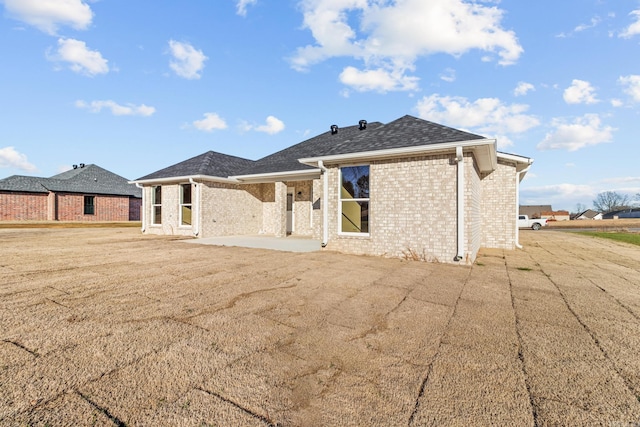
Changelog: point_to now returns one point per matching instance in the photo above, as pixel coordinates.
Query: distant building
(588, 214)
(555, 215)
(621, 214)
(84, 193)
(534, 211)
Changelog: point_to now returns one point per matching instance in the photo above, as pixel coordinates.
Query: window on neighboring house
(185, 204)
(89, 205)
(354, 199)
(157, 204)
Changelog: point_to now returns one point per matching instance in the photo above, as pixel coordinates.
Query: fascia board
(278, 176)
(185, 178)
(486, 157)
(521, 162)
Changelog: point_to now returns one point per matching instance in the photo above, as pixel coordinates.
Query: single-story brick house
(409, 188)
(84, 193)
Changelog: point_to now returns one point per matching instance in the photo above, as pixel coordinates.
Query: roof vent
(362, 124)
(81, 165)
(334, 129)
(75, 166)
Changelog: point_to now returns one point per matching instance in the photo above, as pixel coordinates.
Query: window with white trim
(354, 199)
(156, 217)
(185, 204)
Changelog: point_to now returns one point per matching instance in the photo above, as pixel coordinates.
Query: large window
(185, 204)
(156, 205)
(89, 205)
(354, 199)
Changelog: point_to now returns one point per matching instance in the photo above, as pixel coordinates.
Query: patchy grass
(524, 268)
(633, 238)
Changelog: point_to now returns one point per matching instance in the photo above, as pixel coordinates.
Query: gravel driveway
(109, 327)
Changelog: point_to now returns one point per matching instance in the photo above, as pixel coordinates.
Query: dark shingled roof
(287, 159)
(89, 179)
(209, 163)
(407, 131)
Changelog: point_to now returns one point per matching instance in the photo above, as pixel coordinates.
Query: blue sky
(135, 86)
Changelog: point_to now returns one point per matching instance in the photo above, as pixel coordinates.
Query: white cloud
(48, 15)
(187, 62)
(523, 88)
(485, 115)
(117, 109)
(389, 36)
(211, 122)
(634, 28)
(10, 158)
(594, 22)
(615, 102)
(272, 126)
(377, 80)
(449, 75)
(241, 6)
(566, 195)
(81, 59)
(580, 92)
(585, 131)
(632, 86)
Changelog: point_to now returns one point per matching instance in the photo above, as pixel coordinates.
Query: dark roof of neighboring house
(91, 179)
(209, 164)
(623, 213)
(407, 131)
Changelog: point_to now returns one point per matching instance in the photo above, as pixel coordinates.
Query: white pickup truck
(534, 224)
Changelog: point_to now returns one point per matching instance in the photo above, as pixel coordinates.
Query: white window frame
(182, 204)
(340, 200)
(155, 205)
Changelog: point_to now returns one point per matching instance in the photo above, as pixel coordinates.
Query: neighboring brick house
(409, 188)
(84, 193)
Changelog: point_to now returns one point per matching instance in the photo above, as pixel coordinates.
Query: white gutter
(196, 210)
(278, 176)
(484, 149)
(186, 178)
(144, 208)
(324, 204)
(460, 183)
(520, 176)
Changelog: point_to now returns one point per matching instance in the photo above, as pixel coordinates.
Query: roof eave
(483, 149)
(522, 162)
(184, 178)
(279, 176)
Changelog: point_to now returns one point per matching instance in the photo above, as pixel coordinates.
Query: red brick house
(84, 193)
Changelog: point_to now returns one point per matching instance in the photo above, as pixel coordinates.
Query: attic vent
(334, 129)
(362, 124)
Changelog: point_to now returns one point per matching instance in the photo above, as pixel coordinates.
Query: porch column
(280, 210)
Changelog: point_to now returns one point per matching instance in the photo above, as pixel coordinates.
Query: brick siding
(16, 206)
(23, 206)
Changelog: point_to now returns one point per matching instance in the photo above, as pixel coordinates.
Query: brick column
(280, 210)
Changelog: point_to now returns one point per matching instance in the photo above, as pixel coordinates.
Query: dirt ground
(104, 326)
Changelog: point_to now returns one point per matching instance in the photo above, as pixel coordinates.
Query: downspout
(325, 201)
(519, 174)
(196, 210)
(144, 208)
(460, 183)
